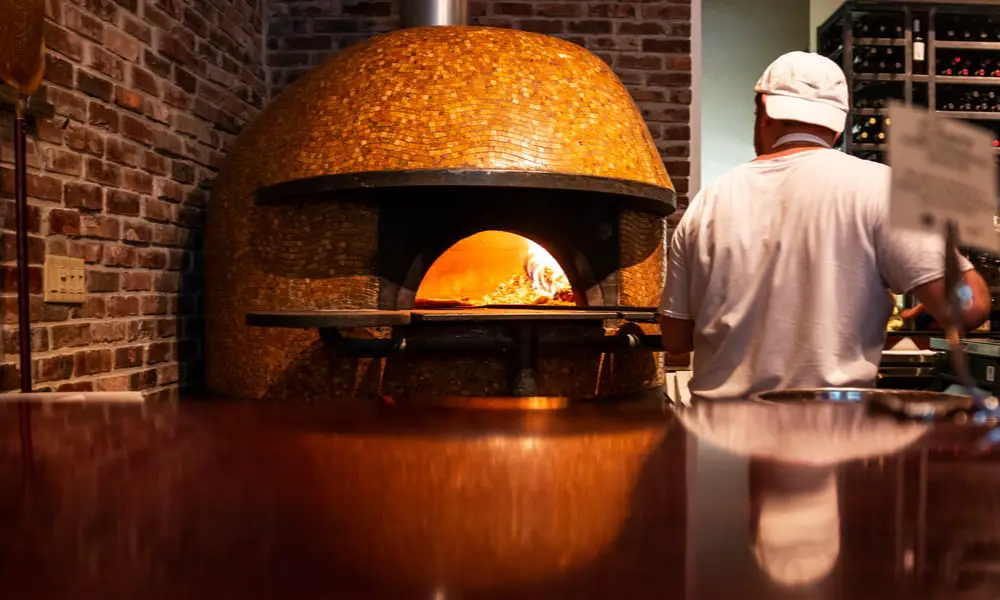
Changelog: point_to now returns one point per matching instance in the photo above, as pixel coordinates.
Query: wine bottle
(919, 46)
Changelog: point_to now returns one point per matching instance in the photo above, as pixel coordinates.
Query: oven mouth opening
(495, 269)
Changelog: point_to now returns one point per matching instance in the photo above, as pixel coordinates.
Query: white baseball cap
(806, 87)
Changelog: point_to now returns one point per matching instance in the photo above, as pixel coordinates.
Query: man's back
(785, 263)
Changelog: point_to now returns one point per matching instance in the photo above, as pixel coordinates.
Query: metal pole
(23, 305)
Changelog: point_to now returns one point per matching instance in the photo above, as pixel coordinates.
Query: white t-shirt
(783, 266)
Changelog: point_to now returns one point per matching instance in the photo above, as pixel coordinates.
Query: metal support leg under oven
(523, 361)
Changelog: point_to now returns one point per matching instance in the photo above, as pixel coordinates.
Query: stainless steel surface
(975, 347)
(420, 13)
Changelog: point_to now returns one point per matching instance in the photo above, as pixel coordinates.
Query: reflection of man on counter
(777, 273)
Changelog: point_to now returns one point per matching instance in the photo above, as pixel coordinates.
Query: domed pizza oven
(441, 211)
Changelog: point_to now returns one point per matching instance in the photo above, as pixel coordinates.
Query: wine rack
(940, 55)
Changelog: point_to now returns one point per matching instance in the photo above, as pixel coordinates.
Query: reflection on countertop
(254, 500)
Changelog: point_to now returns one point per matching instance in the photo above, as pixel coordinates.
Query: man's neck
(788, 149)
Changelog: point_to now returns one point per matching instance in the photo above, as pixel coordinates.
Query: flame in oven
(547, 277)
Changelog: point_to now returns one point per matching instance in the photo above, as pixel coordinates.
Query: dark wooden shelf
(952, 45)
(879, 42)
(35, 107)
(970, 116)
(870, 112)
(955, 80)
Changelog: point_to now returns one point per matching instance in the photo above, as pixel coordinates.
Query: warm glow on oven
(495, 267)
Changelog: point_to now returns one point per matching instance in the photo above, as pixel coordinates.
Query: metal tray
(912, 404)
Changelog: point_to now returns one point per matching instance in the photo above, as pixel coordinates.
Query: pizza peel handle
(22, 45)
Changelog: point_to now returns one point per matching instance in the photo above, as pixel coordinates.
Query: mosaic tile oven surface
(423, 98)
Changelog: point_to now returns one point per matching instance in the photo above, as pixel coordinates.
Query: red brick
(128, 99)
(666, 11)
(152, 258)
(144, 81)
(103, 116)
(168, 282)
(647, 28)
(157, 210)
(614, 11)
(89, 250)
(8, 279)
(103, 9)
(107, 63)
(64, 222)
(94, 86)
(137, 281)
(84, 139)
(136, 231)
(103, 281)
(117, 383)
(141, 330)
(176, 97)
(166, 327)
(90, 362)
(171, 46)
(100, 226)
(155, 163)
(645, 62)
(666, 46)
(123, 306)
(139, 29)
(108, 331)
(44, 187)
(168, 143)
(84, 195)
(63, 161)
(77, 386)
(122, 44)
(51, 131)
(68, 104)
(83, 23)
(95, 307)
(137, 181)
(67, 336)
(123, 203)
(102, 172)
(53, 368)
(156, 110)
(143, 380)
(137, 130)
(63, 41)
(128, 357)
(160, 352)
(154, 305)
(560, 9)
(59, 71)
(120, 256)
(124, 152)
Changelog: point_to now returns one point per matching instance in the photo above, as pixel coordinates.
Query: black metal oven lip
(349, 318)
(634, 194)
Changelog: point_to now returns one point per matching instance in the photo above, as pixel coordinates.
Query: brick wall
(647, 43)
(148, 95)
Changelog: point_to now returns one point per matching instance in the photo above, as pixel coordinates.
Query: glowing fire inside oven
(547, 277)
(495, 267)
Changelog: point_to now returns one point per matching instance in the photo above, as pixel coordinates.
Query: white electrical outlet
(65, 280)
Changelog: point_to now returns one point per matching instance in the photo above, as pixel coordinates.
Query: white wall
(819, 10)
(739, 38)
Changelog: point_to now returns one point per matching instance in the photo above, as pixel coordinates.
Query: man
(777, 273)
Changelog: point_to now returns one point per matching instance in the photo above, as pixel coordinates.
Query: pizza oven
(443, 212)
